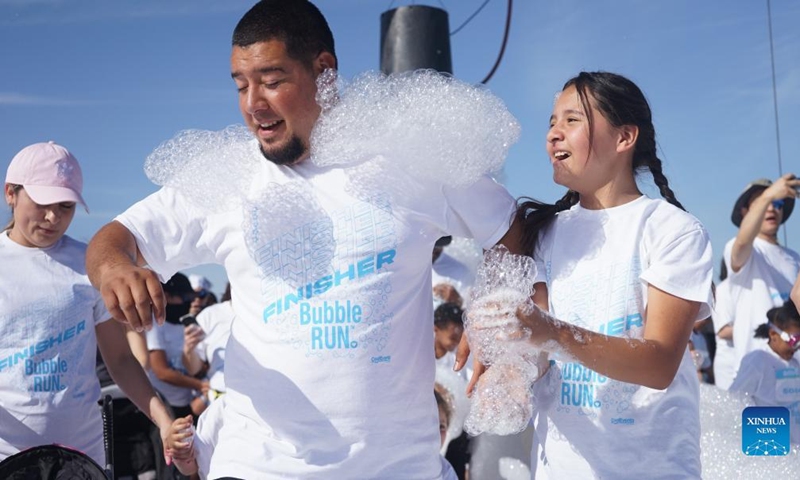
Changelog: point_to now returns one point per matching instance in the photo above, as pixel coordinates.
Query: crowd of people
(331, 371)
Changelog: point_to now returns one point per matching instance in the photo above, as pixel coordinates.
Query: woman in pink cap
(51, 318)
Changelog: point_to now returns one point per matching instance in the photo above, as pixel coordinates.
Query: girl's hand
(178, 441)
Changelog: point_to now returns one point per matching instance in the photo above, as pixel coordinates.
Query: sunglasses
(792, 340)
(778, 204)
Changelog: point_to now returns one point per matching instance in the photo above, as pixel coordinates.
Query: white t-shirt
(725, 356)
(763, 282)
(329, 366)
(451, 271)
(207, 435)
(597, 265)
(216, 322)
(48, 314)
(772, 381)
(169, 338)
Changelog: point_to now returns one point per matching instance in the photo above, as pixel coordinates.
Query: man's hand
(133, 295)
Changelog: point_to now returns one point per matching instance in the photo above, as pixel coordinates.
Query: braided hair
(620, 102)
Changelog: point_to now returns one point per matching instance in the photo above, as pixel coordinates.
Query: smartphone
(188, 319)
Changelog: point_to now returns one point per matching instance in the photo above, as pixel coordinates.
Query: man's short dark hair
(297, 23)
(446, 314)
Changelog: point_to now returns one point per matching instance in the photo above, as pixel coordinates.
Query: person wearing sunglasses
(772, 377)
(761, 270)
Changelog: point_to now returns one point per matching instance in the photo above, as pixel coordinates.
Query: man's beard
(286, 155)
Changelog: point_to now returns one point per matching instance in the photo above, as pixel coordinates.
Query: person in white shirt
(761, 271)
(165, 347)
(329, 366)
(452, 278)
(52, 320)
(772, 377)
(725, 364)
(622, 279)
(204, 346)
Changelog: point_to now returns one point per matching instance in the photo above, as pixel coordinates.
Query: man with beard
(329, 367)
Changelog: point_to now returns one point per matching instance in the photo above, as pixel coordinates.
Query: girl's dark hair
(14, 188)
(620, 102)
(782, 317)
(297, 23)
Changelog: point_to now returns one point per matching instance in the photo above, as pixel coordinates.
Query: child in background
(448, 327)
(772, 377)
(622, 280)
(445, 414)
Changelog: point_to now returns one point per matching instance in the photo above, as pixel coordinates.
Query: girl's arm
(127, 372)
(652, 361)
(138, 344)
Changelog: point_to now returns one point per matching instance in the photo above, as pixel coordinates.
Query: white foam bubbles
(721, 441)
(501, 402)
(428, 125)
(212, 169)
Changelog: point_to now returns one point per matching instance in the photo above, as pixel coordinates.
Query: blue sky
(112, 80)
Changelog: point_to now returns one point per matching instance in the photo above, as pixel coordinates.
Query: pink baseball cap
(49, 174)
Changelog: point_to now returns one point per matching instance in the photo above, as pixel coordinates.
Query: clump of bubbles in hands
(501, 401)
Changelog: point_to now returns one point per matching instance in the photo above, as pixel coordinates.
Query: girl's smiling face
(583, 146)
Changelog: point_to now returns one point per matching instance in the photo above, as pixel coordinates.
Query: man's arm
(114, 264)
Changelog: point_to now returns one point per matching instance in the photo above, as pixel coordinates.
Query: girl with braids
(622, 280)
(772, 377)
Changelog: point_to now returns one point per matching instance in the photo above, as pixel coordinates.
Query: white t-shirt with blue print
(597, 265)
(773, 382)
(48, 313)
(329, 368)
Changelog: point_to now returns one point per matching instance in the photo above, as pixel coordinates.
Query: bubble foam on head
(431, 126)
(501, 402)
(211, 168)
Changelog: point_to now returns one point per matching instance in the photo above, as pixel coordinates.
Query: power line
(469, 19)
(775, 104)
(502, 46)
